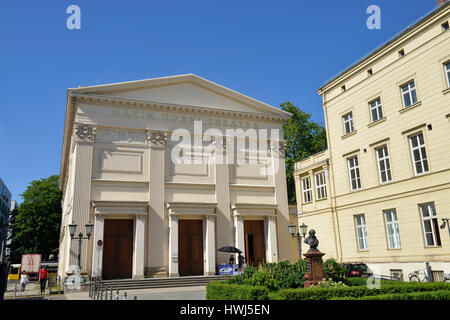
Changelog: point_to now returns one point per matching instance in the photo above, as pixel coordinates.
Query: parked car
(357, 270)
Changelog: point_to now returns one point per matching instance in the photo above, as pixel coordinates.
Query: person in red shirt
(43, 275)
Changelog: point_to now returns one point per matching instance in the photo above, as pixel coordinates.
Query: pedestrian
(231, 260)
(241, 261)
(23, 282)
(43, 275)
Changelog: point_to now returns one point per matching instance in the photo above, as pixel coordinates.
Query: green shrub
(424, 295)
(274, 275)
(239, 279)
(316, 293)
(334, 270)
(262, 279)
(221, 290)
(330, 284)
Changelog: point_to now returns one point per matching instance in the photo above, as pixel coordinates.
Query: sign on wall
(31, 263)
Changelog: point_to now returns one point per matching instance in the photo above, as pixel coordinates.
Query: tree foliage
(304, 138)
(36, 225)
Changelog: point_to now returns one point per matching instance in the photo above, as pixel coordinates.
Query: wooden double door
(117, 249)
(190, 247)
(255, 253)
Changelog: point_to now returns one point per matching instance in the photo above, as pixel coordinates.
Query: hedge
(425, 295)
(220, 290)
(358, 291)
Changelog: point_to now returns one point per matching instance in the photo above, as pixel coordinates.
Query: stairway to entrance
(148, 283)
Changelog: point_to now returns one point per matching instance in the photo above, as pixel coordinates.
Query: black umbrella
(230, 249)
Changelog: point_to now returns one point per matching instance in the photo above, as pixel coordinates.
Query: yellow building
(378, 194)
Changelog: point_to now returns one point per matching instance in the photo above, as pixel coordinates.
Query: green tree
(304, 138)
(37, 223)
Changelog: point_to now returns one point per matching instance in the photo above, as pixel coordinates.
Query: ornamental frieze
(157, 137)
(84, 132)
(121, 136)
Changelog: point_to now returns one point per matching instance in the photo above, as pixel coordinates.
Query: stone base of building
(155, 273)
(403, 269)
(76, 287)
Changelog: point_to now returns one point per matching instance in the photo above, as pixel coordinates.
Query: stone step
(161, 282)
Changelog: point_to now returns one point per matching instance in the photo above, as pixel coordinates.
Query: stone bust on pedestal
(315, 273)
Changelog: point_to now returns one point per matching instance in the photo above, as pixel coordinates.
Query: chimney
(440, 2)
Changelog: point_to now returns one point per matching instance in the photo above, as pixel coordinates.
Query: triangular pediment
(187, 90)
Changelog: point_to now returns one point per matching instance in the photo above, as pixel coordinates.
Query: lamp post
(446, 222)
(300, 234)
(72, 229)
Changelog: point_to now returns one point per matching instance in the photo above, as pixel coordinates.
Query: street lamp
(300, 234)
(72, 229)
(445, 222)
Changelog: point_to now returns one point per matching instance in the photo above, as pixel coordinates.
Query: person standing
(232, 260)
(241, 261)
(23, 282)
(43, 275)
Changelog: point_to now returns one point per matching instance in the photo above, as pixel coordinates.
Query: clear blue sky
(274, 51)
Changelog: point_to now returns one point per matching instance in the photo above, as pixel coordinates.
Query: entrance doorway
(190, 247)
(254, 242)
(118, 249)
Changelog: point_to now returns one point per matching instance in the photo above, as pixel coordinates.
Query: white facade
(118, 164)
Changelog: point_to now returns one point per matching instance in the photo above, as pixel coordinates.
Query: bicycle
(418, 276)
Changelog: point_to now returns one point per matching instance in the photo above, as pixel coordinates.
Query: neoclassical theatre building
(154, 216)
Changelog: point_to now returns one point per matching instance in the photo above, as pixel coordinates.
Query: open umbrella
(230, 249)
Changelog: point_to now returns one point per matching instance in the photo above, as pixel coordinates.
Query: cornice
(170, 107)
(398, 40)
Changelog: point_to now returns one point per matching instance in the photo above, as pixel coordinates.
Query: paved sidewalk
(181, 293)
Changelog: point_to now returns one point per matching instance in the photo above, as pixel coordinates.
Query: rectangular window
(393, 231)
(376, 110)
(348, 123)
(353, 168)
(384, 165)
(419, 154)
(307, 190)
(397, 274)
(321, 186)
(430, 225)
(409, 94)
(447, 72)
(361, 232)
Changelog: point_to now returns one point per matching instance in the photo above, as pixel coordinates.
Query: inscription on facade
(150, 115)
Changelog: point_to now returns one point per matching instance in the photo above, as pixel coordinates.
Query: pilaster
(157, 140)
(83, 142)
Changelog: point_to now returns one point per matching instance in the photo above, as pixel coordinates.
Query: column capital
(157, 138)
(84, 132)
(280, 145)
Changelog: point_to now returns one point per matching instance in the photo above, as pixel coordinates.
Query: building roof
(410, 29)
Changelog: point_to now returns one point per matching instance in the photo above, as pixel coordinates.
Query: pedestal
(315, 272)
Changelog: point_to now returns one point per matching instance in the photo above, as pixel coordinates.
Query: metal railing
(98, 291)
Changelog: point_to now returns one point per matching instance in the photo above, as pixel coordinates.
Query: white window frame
(321, 186)
(375, 105)
(387, 164)
(361, 232)
(423, 158)
(431, 210)
(354, 167)
(348, 119)
(307, 190)
(447, 72)
(411, 87)
(394, 241)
